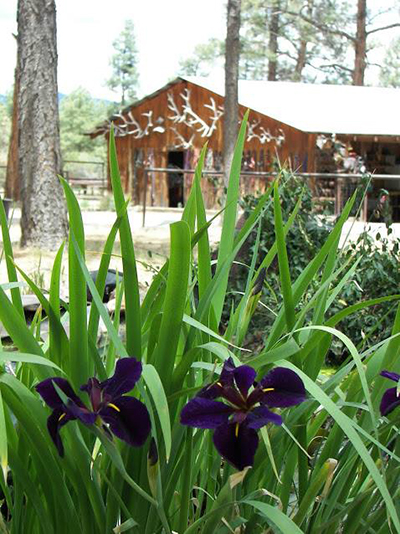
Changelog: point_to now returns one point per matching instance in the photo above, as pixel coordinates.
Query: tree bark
(360, 44)
(301, 60)
(43, 219)
(273, 30)
(231, 106)
(12, 177)
(302, 48)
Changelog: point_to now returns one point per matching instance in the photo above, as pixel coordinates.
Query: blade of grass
(12, 274)
(229, 222)
(132, 297)
(3, 440)
(156, 389)
(58, 343)
(113, 334)
(203, 246)
(16, 327)
(346, 424)
(303, 281)
(284, 273)
(175, 302)
(80, 366)
(102, 273)
(278, 518)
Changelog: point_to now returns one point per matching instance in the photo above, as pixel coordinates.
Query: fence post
(145, 172)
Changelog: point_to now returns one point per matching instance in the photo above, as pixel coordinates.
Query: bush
(377, 273)
(307, 234)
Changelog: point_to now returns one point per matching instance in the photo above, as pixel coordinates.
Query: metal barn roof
(317, 108)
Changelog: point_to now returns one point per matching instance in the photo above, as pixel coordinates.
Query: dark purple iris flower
(236, 422)
(126, 417)
(390, 399)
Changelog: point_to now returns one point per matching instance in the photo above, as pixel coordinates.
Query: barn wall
(158, 125)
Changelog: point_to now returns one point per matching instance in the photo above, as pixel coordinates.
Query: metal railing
(340, 179)
(77, 178)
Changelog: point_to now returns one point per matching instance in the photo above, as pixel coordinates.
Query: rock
(111, 283)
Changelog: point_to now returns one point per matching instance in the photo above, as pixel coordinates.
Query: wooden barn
(301, 125)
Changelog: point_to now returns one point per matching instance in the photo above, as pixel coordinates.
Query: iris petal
(50, 396)
(127, 373)
(285, 388)
(205, 413)
(261, 416)
(213, 391)
(236, 443)
(129, 420)
(389, 401)
(244, 378)
(392, 376)
(57, 419)
(227, 373)
(93, 389)
(82, 413)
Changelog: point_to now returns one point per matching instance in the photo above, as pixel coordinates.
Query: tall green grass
(334, 465)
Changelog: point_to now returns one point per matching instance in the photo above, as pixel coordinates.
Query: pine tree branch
(335, 66)
(322, 27)
(390, 26)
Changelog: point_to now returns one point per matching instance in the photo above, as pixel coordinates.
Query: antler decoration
(264, 136)
(184, 114)
(190, 118)
(182, 143)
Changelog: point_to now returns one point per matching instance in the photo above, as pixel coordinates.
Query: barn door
(175, 179)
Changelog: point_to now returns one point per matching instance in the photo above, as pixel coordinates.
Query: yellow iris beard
(113, 406)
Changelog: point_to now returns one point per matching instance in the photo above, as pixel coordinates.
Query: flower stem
(186, 482)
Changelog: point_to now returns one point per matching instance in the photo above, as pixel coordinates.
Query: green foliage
(377, 274)
(332, 467)
(305, 237)
(204, 57)
(389, 75)
(321, 47)
(315, 43)
(375, 260)
(125, 78)
(307, 233)
(79, 114)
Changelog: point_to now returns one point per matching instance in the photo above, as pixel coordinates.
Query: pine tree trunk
(302, 48)
(12, 177)
(360, 44)
(43, 218)
(273, 31)
(231, 106)
(301, 60)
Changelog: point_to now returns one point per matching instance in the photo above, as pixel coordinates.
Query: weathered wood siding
(156, 128)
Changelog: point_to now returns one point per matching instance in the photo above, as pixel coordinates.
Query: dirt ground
(151, 244)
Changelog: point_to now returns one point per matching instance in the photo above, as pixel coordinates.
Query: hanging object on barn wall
(182, 113)
(186, 115)
(263, 135)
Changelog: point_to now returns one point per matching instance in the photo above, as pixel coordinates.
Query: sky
(166, 31)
